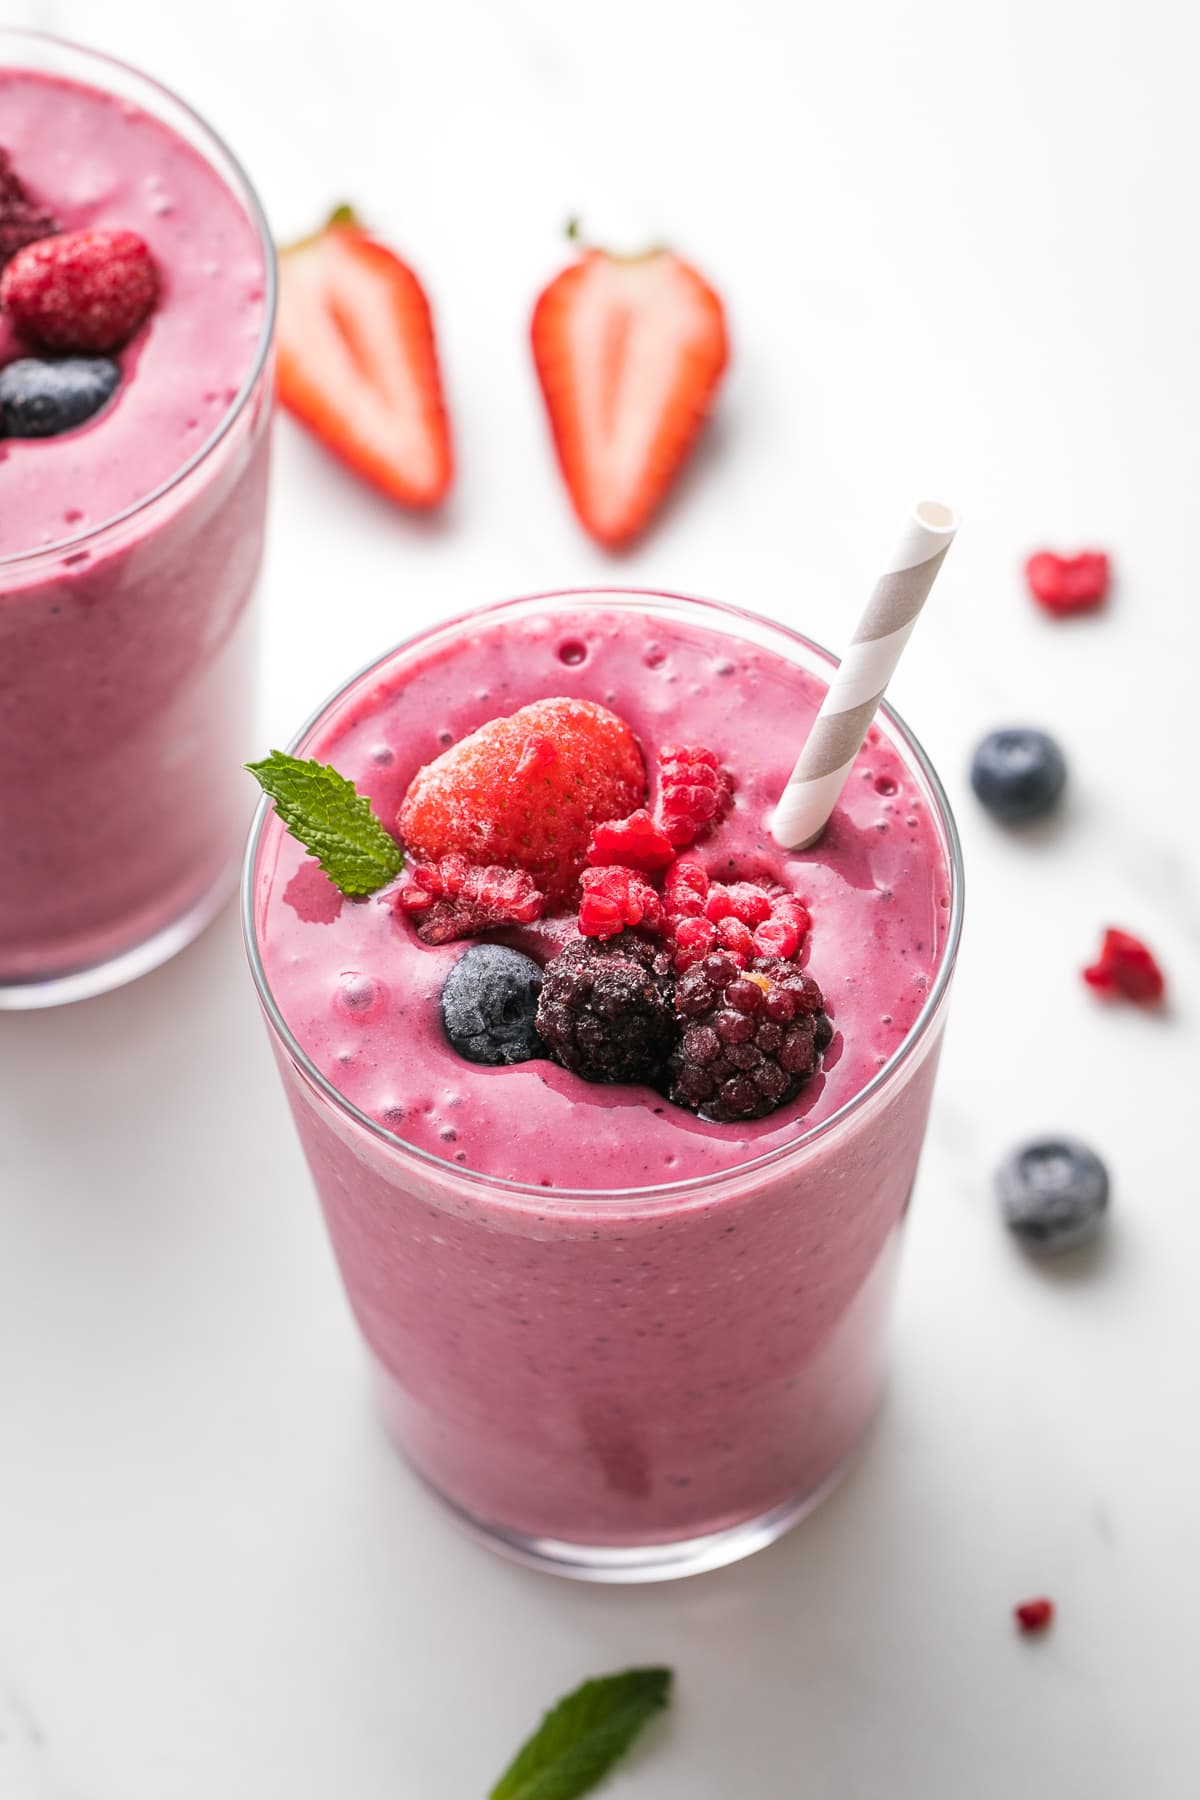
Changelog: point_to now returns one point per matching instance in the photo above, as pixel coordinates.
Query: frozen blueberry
(489, 1004)
(1019, 774)
(1053, 1194)
(41, 398)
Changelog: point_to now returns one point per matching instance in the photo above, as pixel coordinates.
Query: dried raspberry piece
(685, 890)
(1126, 968)
(614, 898)
(22, 220)
(81, 290)
(750, 1039)
(605, 1010)
(1034, 1615)
(694, 792)
(1068, 584)
(635, 842)
(454, 899)
(528, 791)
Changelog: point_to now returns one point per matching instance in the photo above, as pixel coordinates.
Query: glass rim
(551, 1198)
(16, 34)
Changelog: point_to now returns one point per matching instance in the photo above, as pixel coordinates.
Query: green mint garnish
(332, 820)
(589, 1730)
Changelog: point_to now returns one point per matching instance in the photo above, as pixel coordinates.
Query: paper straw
(860, 682)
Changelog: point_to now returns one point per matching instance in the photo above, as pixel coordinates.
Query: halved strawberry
(629, 351)
(358, 361)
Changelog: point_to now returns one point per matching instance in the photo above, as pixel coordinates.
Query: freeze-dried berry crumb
(527, 791)
(694, 792)
(614, 898)
(606, 1010)
(1126, 969)
(1033, 1616)
(750, 1037)
(635, 842)
(453, 898)
(1068, 584)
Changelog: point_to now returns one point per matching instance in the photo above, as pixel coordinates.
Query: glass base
(117, 971)
(628, 1563)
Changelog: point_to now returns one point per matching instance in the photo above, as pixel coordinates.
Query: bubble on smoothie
(654, 656)
(573, 652)
(445, 738)
(885, 785)
(382, 754)
(359, 996)
(723, 666)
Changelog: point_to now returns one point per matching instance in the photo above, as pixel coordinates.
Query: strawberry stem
(574, 235)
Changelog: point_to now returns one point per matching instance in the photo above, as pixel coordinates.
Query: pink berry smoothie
(130, 547)
(570, 1362)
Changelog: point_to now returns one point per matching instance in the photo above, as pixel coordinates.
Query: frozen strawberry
(527, 791)
(629, 351)
(454, 899)
(614, 898)
(635, 842)
(1068, 584)
(1125, 968)
(358, 362)
(81, 290)
(22, 220)
(694, 792)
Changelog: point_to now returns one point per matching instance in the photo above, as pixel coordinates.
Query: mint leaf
(332, 820)
(589, 1730)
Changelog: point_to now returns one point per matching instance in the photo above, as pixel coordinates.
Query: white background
(958, 248)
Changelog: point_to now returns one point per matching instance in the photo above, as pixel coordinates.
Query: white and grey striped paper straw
(859, 683)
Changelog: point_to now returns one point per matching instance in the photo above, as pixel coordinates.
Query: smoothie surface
(877, 886)
(99, 161)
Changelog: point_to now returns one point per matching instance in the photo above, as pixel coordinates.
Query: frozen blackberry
(606, 1009)
(750, 1037)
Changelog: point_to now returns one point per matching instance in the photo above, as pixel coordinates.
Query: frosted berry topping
(81, 290)
(455, 899)
(694, 792)
(614, 898)
(1068, 584)
(750, 1037)
(527, 791)
(1126, 969)
(606, 1010)
(22, 220)
(489, 1003)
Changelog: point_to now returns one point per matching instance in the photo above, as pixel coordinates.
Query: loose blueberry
(1053, 1194)
(489, 1004)
(1018, 774)
(40, 398)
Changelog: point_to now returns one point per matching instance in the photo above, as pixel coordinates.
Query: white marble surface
(958, 248)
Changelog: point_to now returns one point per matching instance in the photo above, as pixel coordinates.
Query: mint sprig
(333, 821)
(589, 1730)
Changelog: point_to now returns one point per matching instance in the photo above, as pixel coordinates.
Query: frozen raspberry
(694, 792)
(1068, 584)
(22, 220)
(743, 901)
(1034, 1615)
(1126, 968)
(693, 939)
(614, 898)
(751, 1037)
(635, 842)
(454, 899)
(528, 791)
(685, 889)
(606, 1010)
(81, 290)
